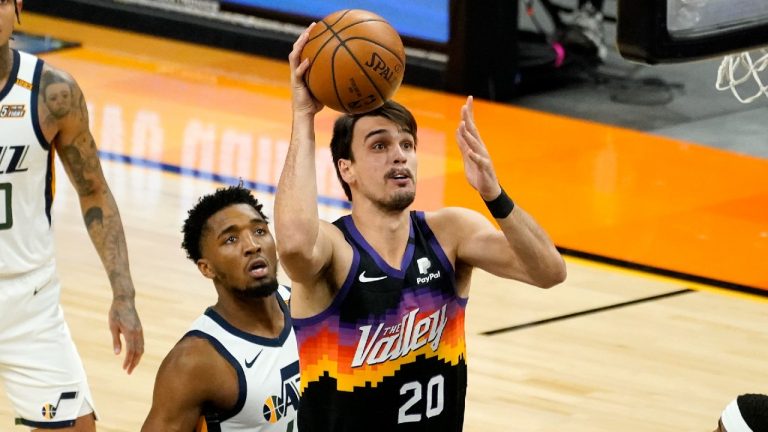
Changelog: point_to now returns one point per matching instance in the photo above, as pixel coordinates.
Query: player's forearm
(296, 215)
(105, 228)
(530, 243)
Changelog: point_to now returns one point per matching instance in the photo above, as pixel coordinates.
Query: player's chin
(401, 199)
(264, 287)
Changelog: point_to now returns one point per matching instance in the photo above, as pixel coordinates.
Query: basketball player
(237, 369)
(43, 113)
(746, 413)
(379, 295)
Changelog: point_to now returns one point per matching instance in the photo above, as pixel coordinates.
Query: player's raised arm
(522, 250)
(302, 247)
(79, 156)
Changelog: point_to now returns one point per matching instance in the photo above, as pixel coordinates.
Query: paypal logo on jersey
(424, 265)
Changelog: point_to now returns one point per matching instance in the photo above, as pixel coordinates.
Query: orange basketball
(357, 61)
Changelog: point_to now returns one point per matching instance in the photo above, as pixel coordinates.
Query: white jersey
(26, 173)
(267, 371)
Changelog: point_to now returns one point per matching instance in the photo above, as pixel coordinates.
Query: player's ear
(345, 169)
(205, 268)
(19, 6)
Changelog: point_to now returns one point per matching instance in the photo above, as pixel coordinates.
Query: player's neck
(6, 63)
(260, 317)
(386, 232)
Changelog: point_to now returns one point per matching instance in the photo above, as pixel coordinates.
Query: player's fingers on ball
(302, 67)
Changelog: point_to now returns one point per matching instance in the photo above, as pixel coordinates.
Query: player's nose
(251, 244)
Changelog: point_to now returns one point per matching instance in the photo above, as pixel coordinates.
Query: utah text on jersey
(12, 158)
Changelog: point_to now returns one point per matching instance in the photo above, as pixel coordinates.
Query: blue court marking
(191, 172)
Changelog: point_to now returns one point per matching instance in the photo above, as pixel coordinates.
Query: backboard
(669, 31)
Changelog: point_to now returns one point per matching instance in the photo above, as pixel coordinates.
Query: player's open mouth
(401, 177)
(258, 268)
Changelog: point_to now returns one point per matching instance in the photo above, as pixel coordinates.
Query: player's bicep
(487, 250)
(179, 392)
(482, 245)
(307, 269)
(74, 142)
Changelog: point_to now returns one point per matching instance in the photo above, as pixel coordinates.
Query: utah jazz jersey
(26, 173)
(389, 353)
(267, 374)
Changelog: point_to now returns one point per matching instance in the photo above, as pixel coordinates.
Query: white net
(743, 75)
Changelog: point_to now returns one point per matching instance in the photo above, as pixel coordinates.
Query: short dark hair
(206, 207)
(754, 410)
(341, 142)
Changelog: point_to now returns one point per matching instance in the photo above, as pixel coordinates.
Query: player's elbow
(554, 273)
(290, 249)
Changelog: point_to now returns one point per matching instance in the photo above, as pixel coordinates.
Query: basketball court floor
(612, 348)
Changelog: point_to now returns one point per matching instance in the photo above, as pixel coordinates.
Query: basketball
(356, 59)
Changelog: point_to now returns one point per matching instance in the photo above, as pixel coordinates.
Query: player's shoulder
(192, 355)
(453, 218)
(52, 74)
(330, 228)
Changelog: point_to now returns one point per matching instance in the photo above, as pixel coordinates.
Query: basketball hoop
(743, 74)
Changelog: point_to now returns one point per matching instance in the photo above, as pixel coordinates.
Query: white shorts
(39, 365)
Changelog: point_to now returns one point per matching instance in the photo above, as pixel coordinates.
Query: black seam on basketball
(365, 72)
(319, 50)
(333, 78)
(402, 63)
(360, 66)
(328, 27)
(333, 62)
(346, 11)
(336, 33)
(363, 22)
(317, 53)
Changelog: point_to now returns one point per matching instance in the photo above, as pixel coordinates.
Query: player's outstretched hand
(123, 320)
(477, 162)
(302, 99)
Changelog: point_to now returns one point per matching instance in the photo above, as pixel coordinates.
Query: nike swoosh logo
(38, 289)
(364, 279)
(248, 364)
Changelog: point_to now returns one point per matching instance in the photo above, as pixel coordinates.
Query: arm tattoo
(78, 169)
(57, 92)
(93, 214)
(83, 108)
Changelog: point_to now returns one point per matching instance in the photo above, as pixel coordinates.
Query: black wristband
(501, 206)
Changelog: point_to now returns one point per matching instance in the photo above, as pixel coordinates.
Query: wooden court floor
(610, 349)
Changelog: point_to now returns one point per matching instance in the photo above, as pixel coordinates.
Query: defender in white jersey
(237, 369)
(42, 113)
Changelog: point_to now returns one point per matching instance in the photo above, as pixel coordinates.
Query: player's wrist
(304, 116)
(501, 206)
